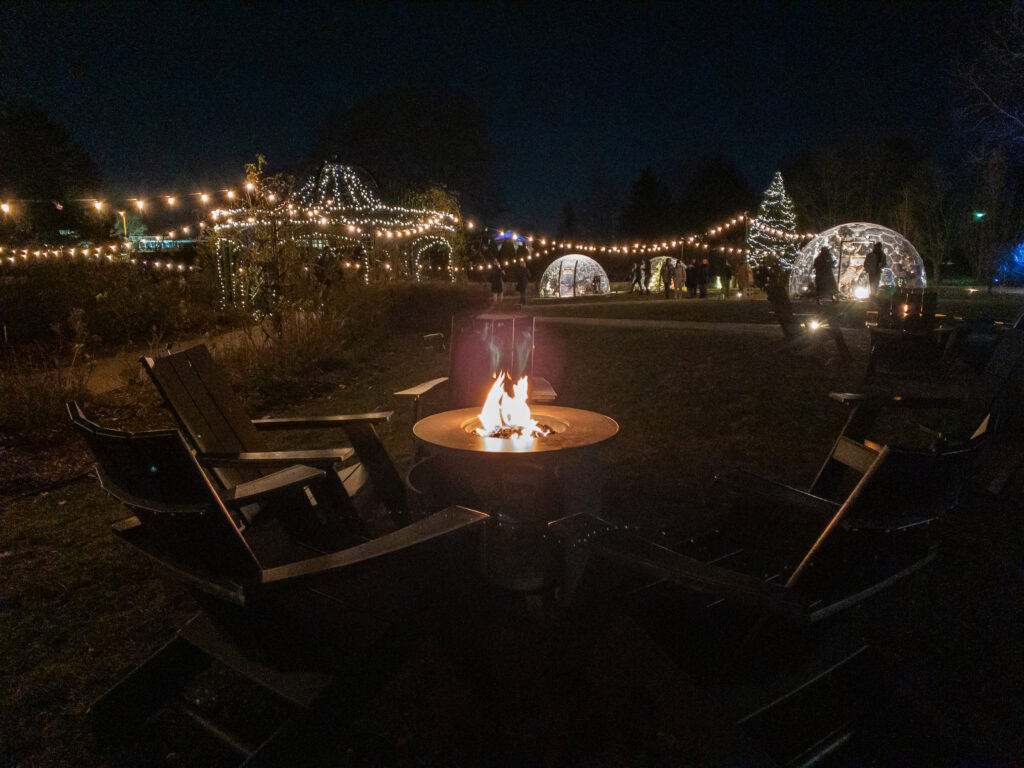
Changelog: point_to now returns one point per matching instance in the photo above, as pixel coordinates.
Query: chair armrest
(294, 476)
(541, 390)
(318, 457)
(439, 524)
(321, 422)
(421, 389)
(632, 550)
(775, 495)
(896, 401)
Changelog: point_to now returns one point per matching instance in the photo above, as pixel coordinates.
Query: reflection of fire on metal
(506, 413)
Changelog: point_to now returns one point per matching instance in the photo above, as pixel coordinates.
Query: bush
(421, 307)
(34, 385)
(121, 303)
(272, 368)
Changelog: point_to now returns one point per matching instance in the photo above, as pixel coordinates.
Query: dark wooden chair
(289, 617)
(988, 406)
(479, 348)
(214, 420)
(756, 606)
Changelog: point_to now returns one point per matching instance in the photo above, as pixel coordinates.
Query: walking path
(109, 373)
(675, 325)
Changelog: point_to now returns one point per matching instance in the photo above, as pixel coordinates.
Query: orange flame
(507, 415)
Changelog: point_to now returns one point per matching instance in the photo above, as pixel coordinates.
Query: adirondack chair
(293, 619)
(984, 409)
(214, 420)
(756, 607)
(479, 348)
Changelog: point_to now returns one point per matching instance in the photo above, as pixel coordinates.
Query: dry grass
(77, 612)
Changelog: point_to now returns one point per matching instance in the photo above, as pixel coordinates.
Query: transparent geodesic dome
(655, 283)
(574, 275)
(850, 245)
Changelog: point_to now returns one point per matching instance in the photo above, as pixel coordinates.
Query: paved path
(109, 373)
(675, 325)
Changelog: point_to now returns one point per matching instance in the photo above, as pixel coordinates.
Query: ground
(77, 611)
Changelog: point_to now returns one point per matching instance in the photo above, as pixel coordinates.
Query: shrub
(121, 303)
(35, 382)
(421, 307)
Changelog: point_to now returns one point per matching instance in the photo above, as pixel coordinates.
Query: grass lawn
(77, 611)
(955, 303)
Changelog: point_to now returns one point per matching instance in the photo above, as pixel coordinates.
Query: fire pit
(523, 466)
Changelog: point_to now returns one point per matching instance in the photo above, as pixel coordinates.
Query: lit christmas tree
(772, 235)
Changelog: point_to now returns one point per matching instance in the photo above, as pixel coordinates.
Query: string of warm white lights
(110, 253)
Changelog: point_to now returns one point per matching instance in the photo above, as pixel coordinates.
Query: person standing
(637, 277)
(743, 277)
(702, 278)
(523, 283)
(497, 279)
(647, 277)
(691, 279)
(667, 273)
(874, 263)
(680, 277)
(824, 277)
(726, 275)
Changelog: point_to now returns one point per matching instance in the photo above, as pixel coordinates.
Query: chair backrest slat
(387, 483)
(993, 386)
(206, 408)
(229, 405)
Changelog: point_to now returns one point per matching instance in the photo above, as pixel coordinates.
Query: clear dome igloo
(850, 244)
(574, 275)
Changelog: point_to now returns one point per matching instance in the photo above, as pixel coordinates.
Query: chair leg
(146, 690)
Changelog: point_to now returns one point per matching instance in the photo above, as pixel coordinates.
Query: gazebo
(335, 212)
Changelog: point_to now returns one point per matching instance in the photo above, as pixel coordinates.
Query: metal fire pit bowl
(523, 483)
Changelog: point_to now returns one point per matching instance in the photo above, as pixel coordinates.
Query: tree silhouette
(415, 138)
(45, 174)
(649, 212)
(568, 228)
(714, 190)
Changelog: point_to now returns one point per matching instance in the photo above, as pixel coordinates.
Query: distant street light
(124, 224)
(978, 215)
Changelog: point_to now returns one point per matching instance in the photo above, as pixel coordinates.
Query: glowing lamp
(861, 292)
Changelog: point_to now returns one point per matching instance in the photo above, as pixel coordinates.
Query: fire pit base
(522, 485)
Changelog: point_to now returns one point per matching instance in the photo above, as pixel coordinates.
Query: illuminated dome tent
(656, 284)
(574, 275)
(850, 244)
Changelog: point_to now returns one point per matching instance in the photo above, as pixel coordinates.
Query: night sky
(169, 98)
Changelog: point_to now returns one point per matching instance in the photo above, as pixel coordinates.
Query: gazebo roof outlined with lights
(335, 206)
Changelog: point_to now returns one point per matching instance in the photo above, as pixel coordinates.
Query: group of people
(496, 277)
(825, 283)
(677, 276)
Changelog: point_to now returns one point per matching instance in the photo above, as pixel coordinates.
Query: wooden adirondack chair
(757, 607)
(986, 408)
(284, 615)
(479, 348)
(214, 420)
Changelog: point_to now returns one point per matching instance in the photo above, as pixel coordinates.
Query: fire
(508, 415)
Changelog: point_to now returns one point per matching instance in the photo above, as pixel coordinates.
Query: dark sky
(169, 97)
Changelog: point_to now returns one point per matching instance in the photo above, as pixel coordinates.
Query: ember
(506, 414)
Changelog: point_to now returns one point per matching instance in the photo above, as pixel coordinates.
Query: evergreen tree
(775, 219)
